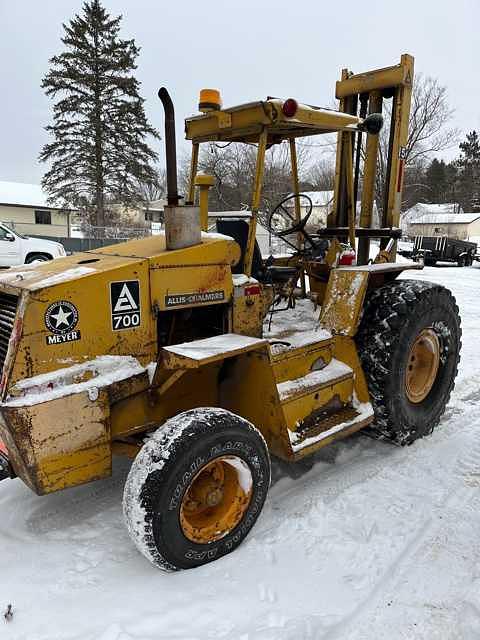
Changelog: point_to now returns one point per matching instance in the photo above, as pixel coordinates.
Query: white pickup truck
(17, 249)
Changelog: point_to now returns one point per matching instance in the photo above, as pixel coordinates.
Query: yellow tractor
(154, 348)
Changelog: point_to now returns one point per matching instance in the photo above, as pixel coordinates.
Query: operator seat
(238, 230)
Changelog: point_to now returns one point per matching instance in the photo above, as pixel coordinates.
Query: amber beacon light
(210, 100)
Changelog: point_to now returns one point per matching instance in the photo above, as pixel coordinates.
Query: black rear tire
(394, 316)
(164, 470)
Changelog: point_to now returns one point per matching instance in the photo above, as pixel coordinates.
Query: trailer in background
(433, 249)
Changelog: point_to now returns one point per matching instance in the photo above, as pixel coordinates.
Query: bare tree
(430, 115)
(233, 167)
(321, 175)
(154, 189)
(429, 133)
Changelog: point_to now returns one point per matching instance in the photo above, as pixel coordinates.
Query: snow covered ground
(373, 542)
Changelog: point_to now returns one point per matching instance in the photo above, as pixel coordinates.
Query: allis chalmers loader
(154, 348)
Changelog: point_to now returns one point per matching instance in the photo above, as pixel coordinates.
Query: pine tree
(99, 154)
(469, 171)
(436, 181)
(451, 177)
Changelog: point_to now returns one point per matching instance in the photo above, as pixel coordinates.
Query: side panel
(74, 321)
(181, 287)
(244, 384)
(60, 443)
(248, 311)
(343, 302)
(345, 350)
(249, 389)
(149, 408)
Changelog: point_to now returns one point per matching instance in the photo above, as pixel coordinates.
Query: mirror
(10, 237)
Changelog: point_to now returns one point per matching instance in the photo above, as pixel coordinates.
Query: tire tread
(385, 313)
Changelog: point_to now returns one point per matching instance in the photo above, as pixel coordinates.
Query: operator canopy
(283, 119)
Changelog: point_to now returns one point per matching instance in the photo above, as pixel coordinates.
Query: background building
(322, 206)
(322, 202)
(425, 208)
(24, 208)
(462, 226)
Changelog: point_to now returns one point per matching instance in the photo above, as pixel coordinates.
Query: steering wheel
(282, 222)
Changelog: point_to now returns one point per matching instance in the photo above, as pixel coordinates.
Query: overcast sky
(247, 48)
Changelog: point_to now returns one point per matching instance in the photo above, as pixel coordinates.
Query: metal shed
(461, 226)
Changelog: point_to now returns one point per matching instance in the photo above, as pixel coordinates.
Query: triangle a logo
(125, 301)
(125, 304)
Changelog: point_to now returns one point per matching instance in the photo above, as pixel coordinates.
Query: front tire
(196, 488)
(409, 343)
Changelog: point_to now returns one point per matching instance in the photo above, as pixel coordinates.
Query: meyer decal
(181, 299)
(125, 304)
(61, 318)
(66, 337)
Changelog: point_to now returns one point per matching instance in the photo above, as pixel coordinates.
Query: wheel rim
(216, 499)
(422, 365)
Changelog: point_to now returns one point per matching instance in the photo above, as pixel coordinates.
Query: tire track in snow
(386, 467)
(466, 468)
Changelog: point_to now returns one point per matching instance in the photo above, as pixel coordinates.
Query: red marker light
(290, 107)
(252, 290)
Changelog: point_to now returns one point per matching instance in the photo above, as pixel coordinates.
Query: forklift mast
(362, 94)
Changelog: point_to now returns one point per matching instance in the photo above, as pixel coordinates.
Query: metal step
(328, 424)
(325, 424)
(334, 372)
(194, 354)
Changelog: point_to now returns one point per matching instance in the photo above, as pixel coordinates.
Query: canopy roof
(245, 122)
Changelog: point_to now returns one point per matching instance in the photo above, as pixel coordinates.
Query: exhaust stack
(182, 223)
(170, 147)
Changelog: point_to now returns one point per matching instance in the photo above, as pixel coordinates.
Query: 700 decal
(126, 321)
(125, 304)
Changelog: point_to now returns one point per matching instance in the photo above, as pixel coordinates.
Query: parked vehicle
(17, 249)
(444, 249)
(405, 248)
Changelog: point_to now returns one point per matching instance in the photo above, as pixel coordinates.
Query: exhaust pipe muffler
(182, 223)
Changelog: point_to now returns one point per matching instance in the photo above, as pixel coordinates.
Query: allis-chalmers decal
(182, 299)
(61, 318)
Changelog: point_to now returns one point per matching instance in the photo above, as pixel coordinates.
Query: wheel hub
(422, 365)
(216, 499)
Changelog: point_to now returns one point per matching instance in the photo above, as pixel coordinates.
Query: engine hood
(214, 249)
(104, 302)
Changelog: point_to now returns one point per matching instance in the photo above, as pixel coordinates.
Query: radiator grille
(8, 309)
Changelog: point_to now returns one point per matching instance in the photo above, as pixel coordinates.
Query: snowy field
(374, 542)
